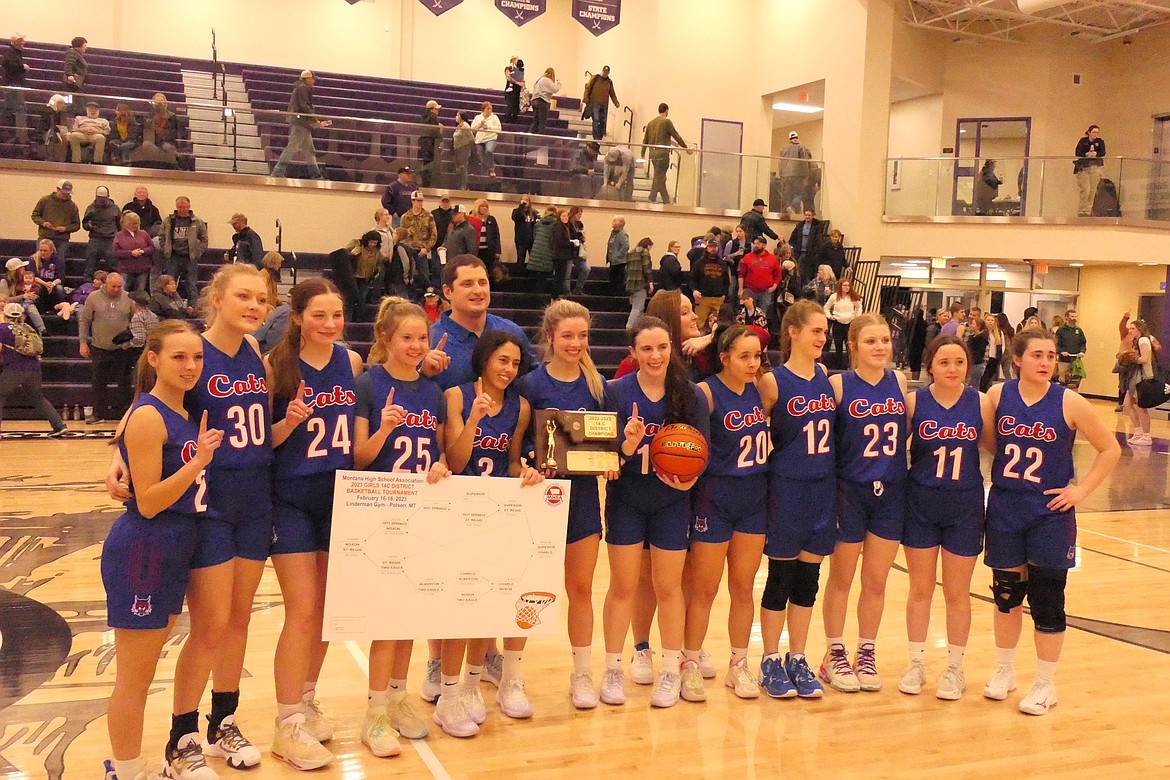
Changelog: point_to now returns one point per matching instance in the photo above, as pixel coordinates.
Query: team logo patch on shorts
(701, 525)
(553, 496)
(141, 607)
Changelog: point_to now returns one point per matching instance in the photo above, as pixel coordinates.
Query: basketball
(678, 450)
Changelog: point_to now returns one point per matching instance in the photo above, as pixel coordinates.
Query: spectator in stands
(463, 142)
(513, 86)
(165, 300)
(442, 216)
(49, 271)
(404, 272)
(56, 216)
(580, 270)
(422, 236)
(430, 144)
(617, 250)
(125, 135)
(55, 123)
(147, 212)
(302, 119)
(367, 255)
(487, 130)
(789, 290)
(619, 171)
(748, 314)
(433, 305)
(670, 272)
(842, 306)
(76, 69)
(135, 253)
(397, 197)
(709, 279)
(461, 238)
(160, 135)
(89, 130)
(956, 325)
(14, 73)
(759, 273)
(822, 286)
(794, 171)
(385, 252)
(1090, 154)
(566, 249)
(806, 239)
(639, 279)
(82, 292)
(104, 318)
(184, 240)
(656, 141)
(733, 252)
(23, 371)
(542, 95)
(754, 224)
(270, 270)
(1071, 345)
(540, 259)
(247, 246)
(581, 168)
(488, 249)
(599, 91)
(523, 229)
(986, 189)
(832, 254)
(142, 319)
(16, 289)
(272, 331)
(102, 219)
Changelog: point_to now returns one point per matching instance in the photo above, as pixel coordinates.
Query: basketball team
(227, 458)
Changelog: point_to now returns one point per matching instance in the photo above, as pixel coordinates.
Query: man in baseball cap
(56, 216)
(23, 370)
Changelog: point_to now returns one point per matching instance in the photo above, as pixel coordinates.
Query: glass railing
(1048, 188)
(236, 138)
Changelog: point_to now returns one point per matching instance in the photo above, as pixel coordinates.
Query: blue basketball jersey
(413, 445)
(323, 442)
(803, 420)
(871, 429)
(234, 393)
(739, 431)
(636, 474)
(493, 435)
(1033, 449)
(178, 450)
(545, 392)
(944, 444)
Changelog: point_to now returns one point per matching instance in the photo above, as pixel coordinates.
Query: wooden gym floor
(56, 666)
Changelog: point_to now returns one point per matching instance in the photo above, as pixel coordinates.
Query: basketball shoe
(642, 667)
(431, 686)
(475, 703)
(293, 744)
(403, 717)
(316, 724)
(1040, 699)
(453, 716)
(774, 678)
(691, 682)
(913, 678)
(865, 666)
(185, 761)
(667, 691)
(613, 687)
(739, 678)
(493, 667)
(513, 700)
(1002, 682)
(802, 677)
(706, 665)
(836, 671)
(951, 684)
(230, 744)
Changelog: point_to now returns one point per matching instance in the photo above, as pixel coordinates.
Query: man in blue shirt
(454, 336)
(398, 195)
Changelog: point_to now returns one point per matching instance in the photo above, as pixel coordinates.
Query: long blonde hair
(557, 312)
(219, 285)
(859, 323)
(391, 314)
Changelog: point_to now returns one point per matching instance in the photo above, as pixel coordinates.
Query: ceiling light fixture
(798, 108)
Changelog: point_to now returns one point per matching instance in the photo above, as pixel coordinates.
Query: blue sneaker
(774, 679)
(802, 677)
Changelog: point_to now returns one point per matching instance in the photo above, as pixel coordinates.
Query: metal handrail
(629, 122)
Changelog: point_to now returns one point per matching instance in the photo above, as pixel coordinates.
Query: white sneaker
(667, 691)
(475, 703)
(837, 672)
(581, 690)
(293, 743)
(232, 746)
(316, 724)
(951, 684)
(613, 687)
(403, 717)
(378, 735)
(186, 761)
(865, 667)
(513, 700)
(740, 678)
(691, 682)
(453, 716)
(1145, 440)
(1002, 682)
(642, 667)
(432, 686)
(1040, 699)
(493, 668)
(913, 678)
(706, 665)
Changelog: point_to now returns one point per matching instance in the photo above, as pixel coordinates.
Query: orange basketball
(678, 450)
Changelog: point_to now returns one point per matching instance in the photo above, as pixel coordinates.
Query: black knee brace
(805, 584)
(1046, 598)
(779, 585)
(1009, 589)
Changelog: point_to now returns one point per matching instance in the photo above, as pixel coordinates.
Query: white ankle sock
(378, 698)
(581, 659)
(1045, 670)
(309, 690)
(472, 675)
(286, 711)
(613, 660)
(512, 663)
(672, 660)
(690, 655)
(917, 652)
(396, 686)
(1005, 656)
(834, 641)
(131, 768)
(450, 681)
(955, 655)
(738, 654)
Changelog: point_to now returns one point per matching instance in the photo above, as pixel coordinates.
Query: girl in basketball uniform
(944, 508)
(312, 381)
(568, 380)
(871, 476)
(802, 528)
(398, 427)
(1031, 519)
(643, 506)
(730, 502)
(147, 557)
(486, 422)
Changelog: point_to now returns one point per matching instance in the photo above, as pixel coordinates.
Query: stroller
(1106, 202)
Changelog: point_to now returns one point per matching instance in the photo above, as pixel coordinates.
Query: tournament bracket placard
(467, 556)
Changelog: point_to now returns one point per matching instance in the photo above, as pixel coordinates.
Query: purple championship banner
(440, 7)
(598, 16)
(521, 11)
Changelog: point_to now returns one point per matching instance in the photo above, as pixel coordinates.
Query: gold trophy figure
(550, 459)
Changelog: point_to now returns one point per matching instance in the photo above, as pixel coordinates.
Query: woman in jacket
(524, 224)
(986, 188)
(542, 92)
(639, 284)
(134, 251)
(489, 238)
(486, 127)
(579, 273)
(565, 251)
(842, 306)
(822, 287)
(540, 260)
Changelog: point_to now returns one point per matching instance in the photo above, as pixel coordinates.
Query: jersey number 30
(249, 426)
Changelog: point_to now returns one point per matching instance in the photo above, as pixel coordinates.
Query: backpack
(28, 341)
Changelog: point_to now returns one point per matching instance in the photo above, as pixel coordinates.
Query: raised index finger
(301, 391)
(635, 412)
(479, 386)
(442, 343)
(390, 399)
(203, 423)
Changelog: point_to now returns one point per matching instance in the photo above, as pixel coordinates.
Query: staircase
(211, 137)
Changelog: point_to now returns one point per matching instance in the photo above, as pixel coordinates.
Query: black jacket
(562, 243)
(670, 273)
(247, 247)
(1083, 147)
(817, 236)
(524, 223)
(709, 276)
(442, 223)
(461, 240)
(491, 232)
(148, 213)
(12, 67)
(832, 256)
(754, 225)
(431, 137)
